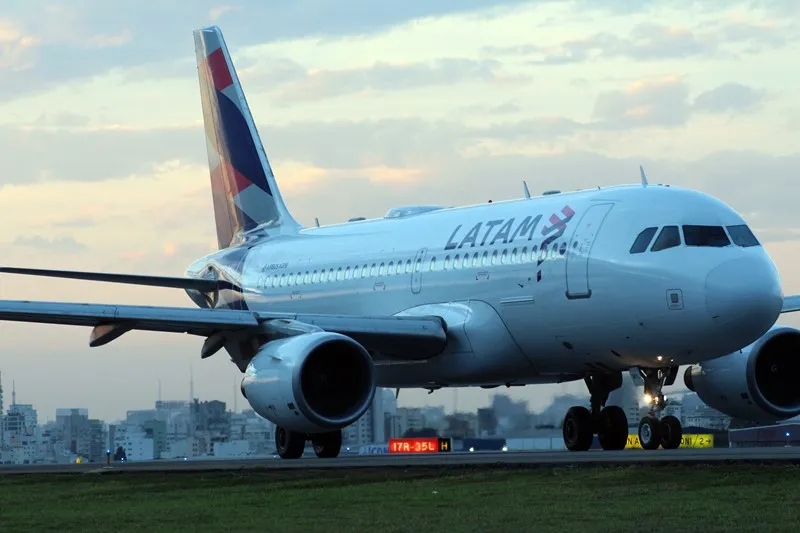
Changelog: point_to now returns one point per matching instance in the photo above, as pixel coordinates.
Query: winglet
(525, 187)
(644, 177)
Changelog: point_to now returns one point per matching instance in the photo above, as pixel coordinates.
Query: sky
(361, 106)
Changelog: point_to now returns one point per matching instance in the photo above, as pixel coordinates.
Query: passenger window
(315, 277)
(710, 236)
(391, 268)
(669, 237)
(514, 255)
(433, 264)
(465, 264)
(475, 260)
(383, 269)
(742, 236)
(408, 266)
(494, 257)
(347, 273)
(456, 263)
(643, 240)
(339, 274)
(504, 257)
(485, 259)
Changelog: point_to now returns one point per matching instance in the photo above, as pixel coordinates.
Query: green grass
(696, 499)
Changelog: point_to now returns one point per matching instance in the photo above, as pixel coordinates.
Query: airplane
(566, 286)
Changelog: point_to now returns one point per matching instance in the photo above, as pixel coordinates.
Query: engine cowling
(760, 383)
(311, 383)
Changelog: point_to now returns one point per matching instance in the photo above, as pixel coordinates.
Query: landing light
(660, 357)
(471, 449)
(505, 448)
(647, 399)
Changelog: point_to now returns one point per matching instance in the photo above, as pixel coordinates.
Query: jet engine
(310, 383)
(760, 383)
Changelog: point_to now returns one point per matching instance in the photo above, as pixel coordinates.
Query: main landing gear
(610, 423)
(290, 444)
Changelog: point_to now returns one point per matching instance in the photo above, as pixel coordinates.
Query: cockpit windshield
(693, 235)
(742, 236)
(709, 236)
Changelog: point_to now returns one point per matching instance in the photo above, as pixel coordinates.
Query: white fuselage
(533, 290)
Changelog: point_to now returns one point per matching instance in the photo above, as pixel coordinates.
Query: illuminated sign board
(420, 445)
(688, 441)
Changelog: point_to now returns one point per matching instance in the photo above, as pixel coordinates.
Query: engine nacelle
(311, 383)
(760, 383)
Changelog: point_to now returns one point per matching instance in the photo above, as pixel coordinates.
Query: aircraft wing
(791, 304)
(390, 337)
(203, 285)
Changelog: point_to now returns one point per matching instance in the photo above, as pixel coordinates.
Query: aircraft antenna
(525, 190)
(643, 175)
(316, 221)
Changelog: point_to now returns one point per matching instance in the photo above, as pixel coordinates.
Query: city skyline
(361, 108)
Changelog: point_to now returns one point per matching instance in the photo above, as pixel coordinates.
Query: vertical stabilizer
(243, 186)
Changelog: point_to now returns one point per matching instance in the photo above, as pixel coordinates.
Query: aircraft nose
(744, 296)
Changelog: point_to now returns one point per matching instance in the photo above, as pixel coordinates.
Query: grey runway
(433, 460)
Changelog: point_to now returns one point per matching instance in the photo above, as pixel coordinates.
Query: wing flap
(203, 285)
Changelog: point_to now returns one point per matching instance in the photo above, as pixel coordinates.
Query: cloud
(68, 45)
(730, 97)
(666, 102)
(662, 102)
(382, 77)
(657, 42)
(61, 244)
(46, 153)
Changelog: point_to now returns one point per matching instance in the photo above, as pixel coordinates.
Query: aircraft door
(416, 271)
(579, 249)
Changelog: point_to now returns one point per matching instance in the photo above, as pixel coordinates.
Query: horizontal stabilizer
(202, 285)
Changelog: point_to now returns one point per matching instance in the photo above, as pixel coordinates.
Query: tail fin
(243, 186)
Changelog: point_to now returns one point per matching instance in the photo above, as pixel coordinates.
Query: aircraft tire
(327, 445)
(671, 433)
(650, 432)
(612, 430)
(289, 444)
(577, 429)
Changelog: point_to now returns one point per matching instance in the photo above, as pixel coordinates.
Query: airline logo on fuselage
(506, 231)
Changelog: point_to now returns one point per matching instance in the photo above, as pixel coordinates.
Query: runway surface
(433, 460)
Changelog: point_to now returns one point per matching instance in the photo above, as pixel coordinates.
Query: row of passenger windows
(708, 236)
(457, 261)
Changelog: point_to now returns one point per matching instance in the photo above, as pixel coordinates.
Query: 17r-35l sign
(420, 445)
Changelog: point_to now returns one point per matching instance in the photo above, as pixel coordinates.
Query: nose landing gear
(666, 432)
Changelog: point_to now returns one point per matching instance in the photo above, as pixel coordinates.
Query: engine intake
(313, 382)
(760, 383)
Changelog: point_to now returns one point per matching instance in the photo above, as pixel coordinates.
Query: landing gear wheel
(650, 432)
(290, 444)
(577, 429)
(327, 445)
(671, 433)
(612, 430)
